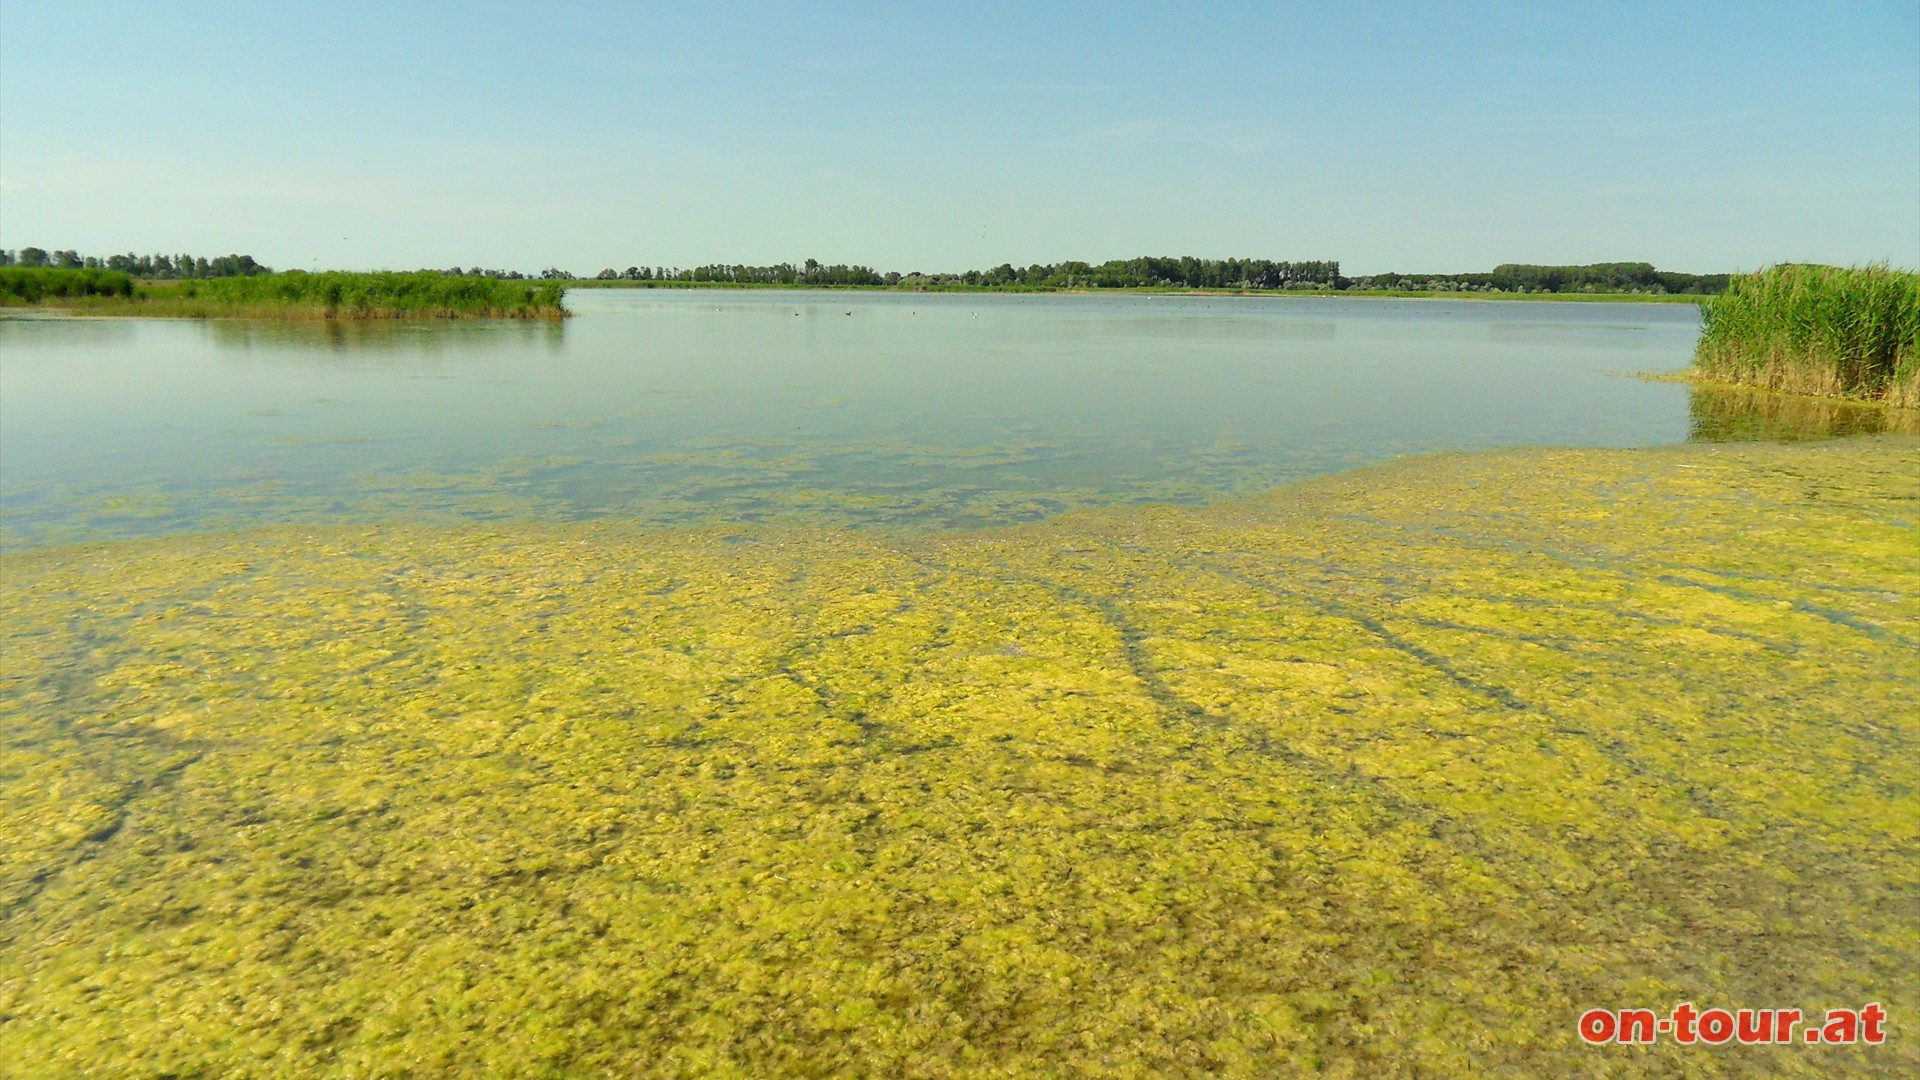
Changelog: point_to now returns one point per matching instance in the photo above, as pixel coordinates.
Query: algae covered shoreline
(1393, 771)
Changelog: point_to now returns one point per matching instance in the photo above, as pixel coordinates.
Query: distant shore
(362, 296)
(34, 274)
(1154, 290)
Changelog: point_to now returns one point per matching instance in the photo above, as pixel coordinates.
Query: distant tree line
(1635, 277)
(1147, 271)
(810, 272)
(551, 273)
(1153, 271)
(140, 266)
(1194, 273)
(506, 275)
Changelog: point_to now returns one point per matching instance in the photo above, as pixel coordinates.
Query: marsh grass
(1822, 330)
(297, 294)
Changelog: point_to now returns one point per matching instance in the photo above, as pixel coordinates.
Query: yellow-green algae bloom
(1387, 774)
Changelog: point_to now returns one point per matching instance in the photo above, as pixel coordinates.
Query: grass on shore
(297, 294)
(1821, 330)
(1387, 774)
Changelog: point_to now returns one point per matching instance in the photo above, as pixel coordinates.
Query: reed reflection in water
(1719, 413)
(375, 337)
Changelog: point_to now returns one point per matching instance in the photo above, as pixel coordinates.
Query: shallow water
(860, 408)
(1390, 773)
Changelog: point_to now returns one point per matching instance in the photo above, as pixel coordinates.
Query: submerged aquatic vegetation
(1822, 330)
(1390, 772)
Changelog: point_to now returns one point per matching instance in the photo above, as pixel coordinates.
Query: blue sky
(1443, 137)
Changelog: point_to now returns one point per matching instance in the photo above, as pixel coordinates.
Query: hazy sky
(1442, 137)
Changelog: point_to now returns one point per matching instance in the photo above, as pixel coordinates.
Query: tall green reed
(381, 294)
(1825, 330)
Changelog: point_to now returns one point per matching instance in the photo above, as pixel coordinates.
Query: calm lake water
(879, 409)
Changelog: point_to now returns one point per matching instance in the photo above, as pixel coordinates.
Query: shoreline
(165, 307)
(1151, 291)
(263, 313)
(1899, 438)
(1695, 377)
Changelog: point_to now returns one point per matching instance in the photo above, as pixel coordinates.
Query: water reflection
(1742, 414)
(886, 410)
(371, 340)
(1608, 335)
(26, 329)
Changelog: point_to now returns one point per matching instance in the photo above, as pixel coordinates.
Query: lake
(871, 409)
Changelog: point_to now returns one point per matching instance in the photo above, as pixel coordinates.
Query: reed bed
(1822, 330)
(381, 295)
(298, 294)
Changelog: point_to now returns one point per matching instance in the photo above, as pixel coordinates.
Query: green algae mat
(1388, 774)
